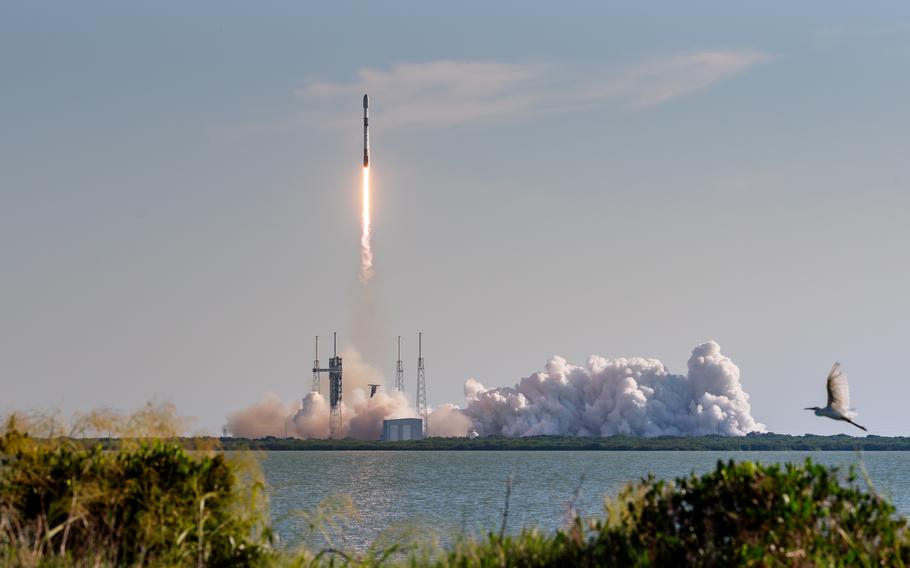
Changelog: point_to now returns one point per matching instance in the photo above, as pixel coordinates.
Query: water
(445, 493)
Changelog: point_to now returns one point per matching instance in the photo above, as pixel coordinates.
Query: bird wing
(838, 391)
(863, 428)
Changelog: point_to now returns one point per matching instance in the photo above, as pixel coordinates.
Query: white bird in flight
(838, 399)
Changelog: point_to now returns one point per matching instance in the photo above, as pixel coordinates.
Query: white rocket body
(366, 131)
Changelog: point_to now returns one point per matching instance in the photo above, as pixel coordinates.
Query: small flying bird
(838, 399)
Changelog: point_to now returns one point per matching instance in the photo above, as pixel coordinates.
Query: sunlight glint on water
(464, 491)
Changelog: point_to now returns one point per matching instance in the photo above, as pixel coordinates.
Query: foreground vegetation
(752, 442)
(152, 502)
(739, 514)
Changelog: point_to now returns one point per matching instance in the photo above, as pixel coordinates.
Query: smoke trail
(366, 250)
(369, 323)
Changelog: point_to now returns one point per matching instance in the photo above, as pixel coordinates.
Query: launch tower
(421, 385)
(334, 372)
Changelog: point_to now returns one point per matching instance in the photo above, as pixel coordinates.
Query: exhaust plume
(366, 249)
(361, 415)
(633, 396)
(266, 418)
(605, 397)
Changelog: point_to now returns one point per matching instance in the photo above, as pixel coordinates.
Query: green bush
(739, 514)
(751, 514)
(151, 502)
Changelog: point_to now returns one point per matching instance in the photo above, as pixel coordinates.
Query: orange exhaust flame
(366, 250)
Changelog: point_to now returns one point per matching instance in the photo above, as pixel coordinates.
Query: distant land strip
(751, 442)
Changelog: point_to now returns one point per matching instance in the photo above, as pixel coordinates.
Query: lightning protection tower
(399, 370)
(421, 386)
(315, 367)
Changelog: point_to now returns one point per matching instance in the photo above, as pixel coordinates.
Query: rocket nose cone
(366, 101)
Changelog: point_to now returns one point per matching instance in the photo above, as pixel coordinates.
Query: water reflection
(446, 493)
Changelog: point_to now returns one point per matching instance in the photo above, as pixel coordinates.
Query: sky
(180, 183)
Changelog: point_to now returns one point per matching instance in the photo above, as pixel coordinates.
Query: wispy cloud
(449, 93)
(657, 81)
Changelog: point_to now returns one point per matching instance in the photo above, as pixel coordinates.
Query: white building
(402, 429)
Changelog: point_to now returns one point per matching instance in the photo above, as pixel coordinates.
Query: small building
(402, 429)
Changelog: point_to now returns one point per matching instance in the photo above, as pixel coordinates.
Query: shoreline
(752, 442)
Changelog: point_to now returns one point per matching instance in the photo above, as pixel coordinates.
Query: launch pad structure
(335, 387)
(334, 369)
(335, 376)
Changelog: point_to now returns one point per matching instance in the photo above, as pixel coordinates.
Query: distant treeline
(751, 442)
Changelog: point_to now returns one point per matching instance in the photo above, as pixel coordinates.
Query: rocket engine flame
(366, 249)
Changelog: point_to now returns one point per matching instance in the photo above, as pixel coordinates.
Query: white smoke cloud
(634, 396)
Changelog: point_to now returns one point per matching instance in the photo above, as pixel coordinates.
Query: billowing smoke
(361, 415)
(634, 396)
(266, 418)
(448, 421)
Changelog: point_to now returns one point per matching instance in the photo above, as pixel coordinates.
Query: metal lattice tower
(315, 368)
(334, 371)
(399, 370)
(421, 386)
(335, 391)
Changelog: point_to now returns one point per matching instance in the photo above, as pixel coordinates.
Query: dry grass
(148, 502)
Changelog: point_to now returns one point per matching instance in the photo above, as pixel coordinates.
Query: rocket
(366, 131)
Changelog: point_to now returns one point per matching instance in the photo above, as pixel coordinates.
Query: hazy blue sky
(179, 193)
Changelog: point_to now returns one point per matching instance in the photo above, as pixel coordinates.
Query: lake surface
(443, 493)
